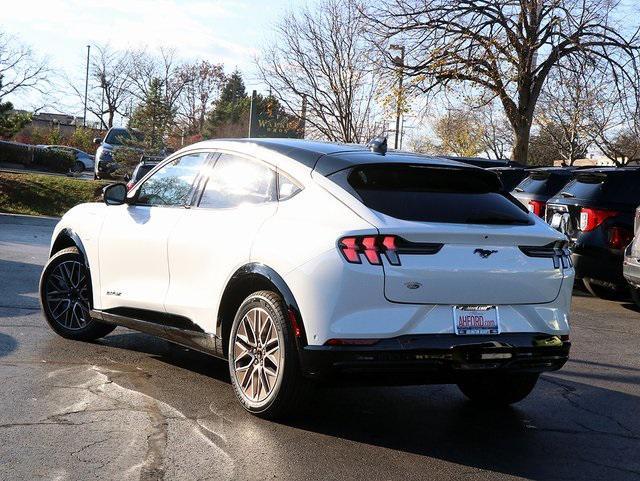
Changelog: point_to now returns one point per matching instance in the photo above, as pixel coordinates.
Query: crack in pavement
(568, 391)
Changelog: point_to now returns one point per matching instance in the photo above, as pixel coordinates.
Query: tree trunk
(520, 151)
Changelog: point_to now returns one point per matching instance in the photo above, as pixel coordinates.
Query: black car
(540, 185)
(596, 210)
(510, 176)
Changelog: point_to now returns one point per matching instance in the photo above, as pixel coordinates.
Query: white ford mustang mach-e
(299, 261)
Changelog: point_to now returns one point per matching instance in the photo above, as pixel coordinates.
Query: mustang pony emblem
(484, 253)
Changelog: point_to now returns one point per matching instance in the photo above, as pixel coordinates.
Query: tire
(253, 359)
(497, 389)
(78, 167)
(65, 297)
(635, 295)
(607, 292)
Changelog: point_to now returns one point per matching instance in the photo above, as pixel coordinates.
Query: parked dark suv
(631, 267)
(596, 211)
(541, 184)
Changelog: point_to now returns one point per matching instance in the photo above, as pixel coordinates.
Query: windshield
(123, 137)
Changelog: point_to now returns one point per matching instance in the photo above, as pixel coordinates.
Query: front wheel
(65, 296)
(498, 389)
(263, 361)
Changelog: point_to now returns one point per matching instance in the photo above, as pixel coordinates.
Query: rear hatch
(611, 190)
(539, 186)
(458, 240)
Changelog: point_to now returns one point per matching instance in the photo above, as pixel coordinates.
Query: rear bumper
(631, 271)
(436, 358)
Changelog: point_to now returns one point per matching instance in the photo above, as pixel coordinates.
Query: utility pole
(399, 61)
(86, 88)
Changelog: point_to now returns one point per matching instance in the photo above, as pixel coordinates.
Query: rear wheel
(609, 292)
(65, 296)
(498, 389)
(635, 295)
(78, 167)
(263, 361)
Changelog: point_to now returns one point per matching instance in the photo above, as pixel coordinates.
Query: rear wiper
(519, 189)
(567, 194)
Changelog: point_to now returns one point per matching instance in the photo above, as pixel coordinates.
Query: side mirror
(97, 140)
(115, 194)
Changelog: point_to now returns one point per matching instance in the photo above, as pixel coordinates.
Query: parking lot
(133, 407)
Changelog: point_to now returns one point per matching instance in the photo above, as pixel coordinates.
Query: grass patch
(52, 195)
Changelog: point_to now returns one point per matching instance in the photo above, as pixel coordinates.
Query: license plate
(476, 320)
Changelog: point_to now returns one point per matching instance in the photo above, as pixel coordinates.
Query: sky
(220, 31)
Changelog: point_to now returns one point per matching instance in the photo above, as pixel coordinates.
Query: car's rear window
(542, 184)
(622, 187)
(432, 194)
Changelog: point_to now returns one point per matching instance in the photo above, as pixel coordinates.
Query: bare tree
(202, 83)
(565, 106)
(614, 123)
(109, 92)
(20, 68)
(508, 47)
(320, 54)
(497, 135)
(148, 69)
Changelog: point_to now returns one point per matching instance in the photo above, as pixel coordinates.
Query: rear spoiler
(591, 177)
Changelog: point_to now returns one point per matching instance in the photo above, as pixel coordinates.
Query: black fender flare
(68, 233)
(269, 274)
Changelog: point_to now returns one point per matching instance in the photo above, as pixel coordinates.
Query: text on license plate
(470, 320)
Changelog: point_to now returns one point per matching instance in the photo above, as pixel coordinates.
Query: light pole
(86, 88)
(399, 61)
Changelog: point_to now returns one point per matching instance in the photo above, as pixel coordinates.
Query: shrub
(53, 159)
(15, 153)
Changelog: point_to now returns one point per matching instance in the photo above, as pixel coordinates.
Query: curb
(20, 219)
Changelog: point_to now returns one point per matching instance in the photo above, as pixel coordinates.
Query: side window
(286, 187)
(237, 180)
(170, 186)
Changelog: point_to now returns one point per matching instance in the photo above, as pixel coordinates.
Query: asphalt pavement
(133, 407)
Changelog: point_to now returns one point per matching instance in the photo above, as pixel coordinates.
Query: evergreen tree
(153, 117)
(230, 110)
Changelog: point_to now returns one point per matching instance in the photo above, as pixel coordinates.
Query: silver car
(631, 266)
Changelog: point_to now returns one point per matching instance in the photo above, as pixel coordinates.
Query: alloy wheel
(256, 355)
(67, 295)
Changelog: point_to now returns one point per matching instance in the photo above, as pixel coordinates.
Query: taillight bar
(537, 207)
(372, 247)
(590, 218)
(558, 251)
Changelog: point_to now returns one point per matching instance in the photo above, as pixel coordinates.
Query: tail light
(537, 207)
(373, 247)
(590, 219)
(130, 185)
(558, 251)
(619, 237)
